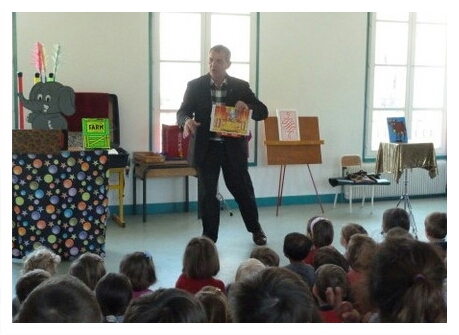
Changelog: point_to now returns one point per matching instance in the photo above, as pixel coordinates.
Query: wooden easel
(305, 151)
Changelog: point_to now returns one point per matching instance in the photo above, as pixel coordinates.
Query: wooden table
(167, 169)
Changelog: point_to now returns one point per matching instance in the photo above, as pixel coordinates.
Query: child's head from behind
(330, 275)
(266, 255)
(28, 281)
(138, 266)
(62, 298)
(200, 259)
(330, 255)
(248, 268)
(406, 281)
(114, 293)
(274, 294)
(296, 246)
(435, 226)
(360, 252)
(215, 303)
(41, 258)
(166, 305)
(89, 268)
(322, 232)
(350, 229)
(395, 217)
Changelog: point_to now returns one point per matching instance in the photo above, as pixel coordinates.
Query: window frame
(408, 108)
(155, 75)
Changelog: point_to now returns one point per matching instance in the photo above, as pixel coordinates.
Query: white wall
(314, 62)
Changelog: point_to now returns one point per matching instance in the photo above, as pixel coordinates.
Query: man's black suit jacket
(197, 104)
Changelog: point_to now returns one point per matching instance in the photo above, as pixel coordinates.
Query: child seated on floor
(89, 268)
(114, 293)
(200, 266)
(266, 255)
(435, 228)
(296, 248)
(350, 229)
(138, 266)
(329, 277)
(41, 258)
(321, 232)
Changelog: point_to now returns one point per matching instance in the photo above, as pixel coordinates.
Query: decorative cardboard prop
(47, 102)
(48, 99)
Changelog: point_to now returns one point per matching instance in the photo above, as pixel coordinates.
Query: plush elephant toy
(46, 102)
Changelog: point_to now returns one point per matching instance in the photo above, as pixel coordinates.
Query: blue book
(397, 129)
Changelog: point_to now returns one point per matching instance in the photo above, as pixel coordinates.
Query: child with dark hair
(89, 268)
(114, 293)
(26, 283)
(435, 228)
(329, 276)
(406, 282)
(59, 299)
(321, 233)
(166, 305)
(266, 255)
(395, 217)
(215, 303)
(350, 229)
(200, 266)
(296, 248)
(330, 255)
(138, 266)
(275, 294)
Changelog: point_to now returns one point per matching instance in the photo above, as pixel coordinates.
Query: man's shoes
(259, 237)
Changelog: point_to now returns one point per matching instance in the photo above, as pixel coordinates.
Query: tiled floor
(166, 235)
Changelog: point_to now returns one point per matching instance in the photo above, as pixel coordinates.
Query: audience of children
(266, 255)
(114, 293)
(201, 264)
(398, 280)
(296, 248)
(321, 232)
(61, 298)
(215, 303)
(138, 266)
(166, 305)
(89, 268)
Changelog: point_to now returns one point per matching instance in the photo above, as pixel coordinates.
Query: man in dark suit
(209, 151)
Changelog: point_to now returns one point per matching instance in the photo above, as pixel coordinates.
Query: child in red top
(329, 276)
(200, 265)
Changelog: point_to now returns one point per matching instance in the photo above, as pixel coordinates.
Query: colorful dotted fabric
(60, 202)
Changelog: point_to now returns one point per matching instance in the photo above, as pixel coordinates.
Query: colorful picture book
(287, 121)
(226, 121)
(96, 133)
(397, 130)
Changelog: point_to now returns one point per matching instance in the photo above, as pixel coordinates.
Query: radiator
(419, 183)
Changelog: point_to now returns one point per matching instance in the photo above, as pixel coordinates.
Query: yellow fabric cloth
(396, 157)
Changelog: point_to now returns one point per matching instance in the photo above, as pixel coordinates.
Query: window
(407, 77)
(181, 43)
